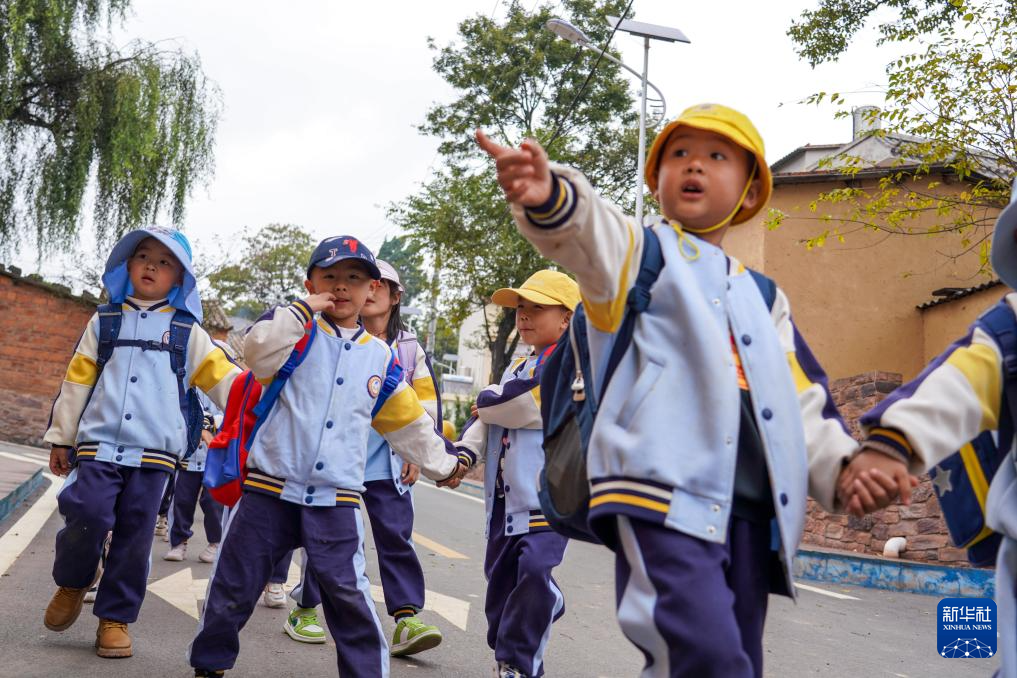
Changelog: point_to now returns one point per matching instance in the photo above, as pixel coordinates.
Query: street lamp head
(563, 29)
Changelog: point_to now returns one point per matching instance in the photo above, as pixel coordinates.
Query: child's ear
(752, 195)
(309, 287)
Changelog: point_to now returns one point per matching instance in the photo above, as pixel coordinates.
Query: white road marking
(185, 593)
(816, 589)
(17, 538)
(461, 495)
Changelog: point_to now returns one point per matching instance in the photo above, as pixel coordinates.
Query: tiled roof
(215, 316)
(955, 293)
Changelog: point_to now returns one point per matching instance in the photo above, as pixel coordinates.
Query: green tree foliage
(950, 110)
(405, 256)
(270, 269)
(136, 123)
(514, 79)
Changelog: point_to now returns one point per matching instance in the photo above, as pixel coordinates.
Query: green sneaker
(302, 626)
(412, 636)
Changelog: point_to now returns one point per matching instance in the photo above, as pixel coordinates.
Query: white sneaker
(161, 526)
(90, 596)
(274, 596)
(177, 553)
(208, 555)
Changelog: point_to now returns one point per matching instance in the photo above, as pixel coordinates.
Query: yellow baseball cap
(543, 287)
(728, 123)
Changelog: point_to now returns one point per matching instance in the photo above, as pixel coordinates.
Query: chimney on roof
(865, 119)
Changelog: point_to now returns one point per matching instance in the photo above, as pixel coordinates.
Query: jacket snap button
(144, 315)
(348, 346)
(767, 414)
(319, 465)
(711, 529)
(746, 339)
(508, 529)
(508, 519)
(127, 416)
(134, 380)
(783, 499)
(715, 508)
(339, 381)
(308, 500)
(328, 424)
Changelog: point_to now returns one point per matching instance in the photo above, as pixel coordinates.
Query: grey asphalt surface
(880, 634)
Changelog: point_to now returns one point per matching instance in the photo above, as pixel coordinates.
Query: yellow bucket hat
(543, 287)
(728, 123)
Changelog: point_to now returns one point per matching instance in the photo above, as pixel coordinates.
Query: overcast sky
(321, 98)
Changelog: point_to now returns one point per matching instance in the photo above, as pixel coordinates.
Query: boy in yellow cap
(717, 421)
(523, 599)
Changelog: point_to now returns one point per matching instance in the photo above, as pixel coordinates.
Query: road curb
(833, 567)
(19, 494)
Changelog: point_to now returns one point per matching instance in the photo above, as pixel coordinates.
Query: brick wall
(39, 327)
(921, 523)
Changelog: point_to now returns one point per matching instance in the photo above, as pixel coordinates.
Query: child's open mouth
(692, 187)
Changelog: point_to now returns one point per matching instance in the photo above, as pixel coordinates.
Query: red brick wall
(39, 328)
(921, 523)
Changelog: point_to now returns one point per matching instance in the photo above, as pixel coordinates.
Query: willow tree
(950, 111)
(135, 123)
(515, 79)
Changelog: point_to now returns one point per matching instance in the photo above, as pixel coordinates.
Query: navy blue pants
(97, 497)
(186, 492)
(523, 599)
(694, 608)
(259, 532)
(402, 577)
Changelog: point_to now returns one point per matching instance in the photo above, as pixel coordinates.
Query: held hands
(452, 482)
(321, 302)
(872, 481)
(59, 460)
(206, 437)
(410, 474)
(523, 172)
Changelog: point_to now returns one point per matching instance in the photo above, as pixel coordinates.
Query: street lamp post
(564, 29)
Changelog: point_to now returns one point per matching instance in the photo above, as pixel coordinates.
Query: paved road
(832, 631)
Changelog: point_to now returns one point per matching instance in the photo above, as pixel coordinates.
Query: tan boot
(112, 639)
(64, 608)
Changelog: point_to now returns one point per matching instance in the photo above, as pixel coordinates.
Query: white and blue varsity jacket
(382, 461)
(508, 433)
(312, 447)
(958, 396)
(664, 444)
(131, 415)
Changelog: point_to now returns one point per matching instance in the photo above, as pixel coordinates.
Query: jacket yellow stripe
(81, 370)
(401, 409)
(606, 316)
(615, 498)
(980, 366)
(212, 370)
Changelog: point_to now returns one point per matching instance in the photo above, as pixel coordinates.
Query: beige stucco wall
(855, 302)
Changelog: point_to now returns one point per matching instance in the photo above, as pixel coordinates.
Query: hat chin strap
(729, 217)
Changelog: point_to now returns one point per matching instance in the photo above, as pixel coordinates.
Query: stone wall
(921, 523)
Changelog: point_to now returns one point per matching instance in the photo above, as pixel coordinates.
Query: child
(387, 494)
(523, 600)
(117, 430)
(960, 395)
(717, 419)
(306, 464)
(186, 491)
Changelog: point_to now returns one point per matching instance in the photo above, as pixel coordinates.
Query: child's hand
(452, 482)
(321, 302)
(473, 410)
(872, 481)
(523, 172)
(59, 460)
(206, 437)
(411, 472)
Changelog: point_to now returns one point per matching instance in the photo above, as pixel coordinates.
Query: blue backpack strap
(767, 287)
(638, 300)
(110, 318)
(393, 375)
(179, 336)
(271, 393)
(1000, 322)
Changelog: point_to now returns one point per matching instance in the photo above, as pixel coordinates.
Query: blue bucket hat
(1004, 247)
(118, 283)
(332, 250)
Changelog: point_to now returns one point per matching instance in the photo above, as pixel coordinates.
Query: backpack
(110, 320)
(247, 407)
(569, 409)
(961, 481)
